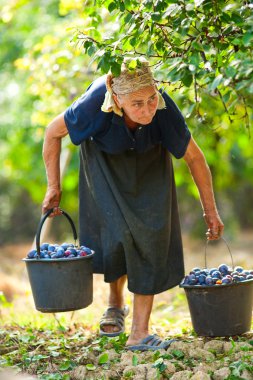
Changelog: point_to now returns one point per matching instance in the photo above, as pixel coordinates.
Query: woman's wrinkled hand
(52, 201)
(214, 224)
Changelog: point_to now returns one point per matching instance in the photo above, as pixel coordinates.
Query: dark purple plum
(202, 279)
(51, 248)
(65, 246)
(209, 280)
(238, 269)
(44, 246)
(216, 274)
(213, 270)
(223, 268)
(32, 254)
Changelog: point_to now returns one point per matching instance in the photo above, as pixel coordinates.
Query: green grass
(52, 346)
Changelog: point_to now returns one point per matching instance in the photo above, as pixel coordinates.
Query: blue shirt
(85, 120)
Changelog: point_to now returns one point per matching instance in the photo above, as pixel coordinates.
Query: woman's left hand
(214, 224)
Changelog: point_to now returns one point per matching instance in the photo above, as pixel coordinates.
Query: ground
(67, 344)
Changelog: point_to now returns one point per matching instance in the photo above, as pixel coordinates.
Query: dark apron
(129, 216)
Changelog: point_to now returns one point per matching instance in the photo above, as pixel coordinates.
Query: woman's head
(139, 106)
(131, 80)
(133, 93)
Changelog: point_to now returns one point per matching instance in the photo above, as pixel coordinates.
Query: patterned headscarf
(127, 82)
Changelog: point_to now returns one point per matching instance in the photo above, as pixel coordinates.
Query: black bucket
(60, 284)
(220, 310)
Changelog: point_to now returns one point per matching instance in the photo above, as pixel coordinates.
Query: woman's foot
(150, 343)
(112, 322)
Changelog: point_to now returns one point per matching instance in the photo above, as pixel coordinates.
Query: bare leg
(141, 314)
(116, 299)
(116, 296)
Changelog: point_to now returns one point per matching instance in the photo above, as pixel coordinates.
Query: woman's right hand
(52, 201)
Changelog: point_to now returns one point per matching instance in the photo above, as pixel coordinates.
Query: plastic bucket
(220, 310)
(60, 284)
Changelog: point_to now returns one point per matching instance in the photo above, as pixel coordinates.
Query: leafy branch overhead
(198, 45)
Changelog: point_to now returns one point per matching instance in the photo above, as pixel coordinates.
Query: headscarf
(127, 82)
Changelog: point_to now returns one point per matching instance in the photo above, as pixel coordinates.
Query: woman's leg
(141, 314)
(116, 295)
(116, 299)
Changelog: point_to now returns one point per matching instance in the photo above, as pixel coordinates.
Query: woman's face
(139, 106)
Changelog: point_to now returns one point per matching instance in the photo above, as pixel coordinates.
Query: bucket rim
(215, 286)
(61, 259)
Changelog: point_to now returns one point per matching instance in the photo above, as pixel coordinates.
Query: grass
(54, 346)
(66, 346)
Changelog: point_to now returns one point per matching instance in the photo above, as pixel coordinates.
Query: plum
(209, 280)
(56, 251)
(238, 269)
(32, 254)
(212, 270)
(51, 248)
(223, 268)
(216, 274)
(44, 254)
(227, 279)
(44, 246)
(65, 246)
(202, 279)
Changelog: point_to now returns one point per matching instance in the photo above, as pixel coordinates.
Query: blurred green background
(42, 70)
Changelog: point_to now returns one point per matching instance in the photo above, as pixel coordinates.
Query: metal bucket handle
(44, 217)
(232, 261)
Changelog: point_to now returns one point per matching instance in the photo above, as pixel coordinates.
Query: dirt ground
(168, 306)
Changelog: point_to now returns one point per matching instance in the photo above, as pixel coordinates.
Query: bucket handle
(232, 261)
(42, 220)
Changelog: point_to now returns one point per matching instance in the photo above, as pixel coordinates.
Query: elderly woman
(127, 131)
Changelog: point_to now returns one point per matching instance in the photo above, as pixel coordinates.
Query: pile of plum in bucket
(56, 251)
(222, 275)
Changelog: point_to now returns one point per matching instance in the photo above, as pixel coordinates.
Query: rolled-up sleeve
(174, 131)
(84, 117)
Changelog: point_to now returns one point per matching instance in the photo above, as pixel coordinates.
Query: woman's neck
(130, 123)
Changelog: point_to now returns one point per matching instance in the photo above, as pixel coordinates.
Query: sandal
(113, 316)
(152, 343)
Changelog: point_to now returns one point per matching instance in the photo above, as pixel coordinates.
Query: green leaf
(177, 354)
(159, 364)
(104, 64)
(236, 18)
(112, 6)
(247, 39)
(122, 6)
(115, 69)
(103, 358)
(187, 78)
(230, 72)
(226, 96)
(91, 50)
(132, 65)
(135, 360)
(156, 16)
(196, 45)
(127, 18)
(190, 110)
(66, 365)
(91, 367)
(217, 81)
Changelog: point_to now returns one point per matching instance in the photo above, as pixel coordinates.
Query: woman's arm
(55, 131)
(201, 175)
